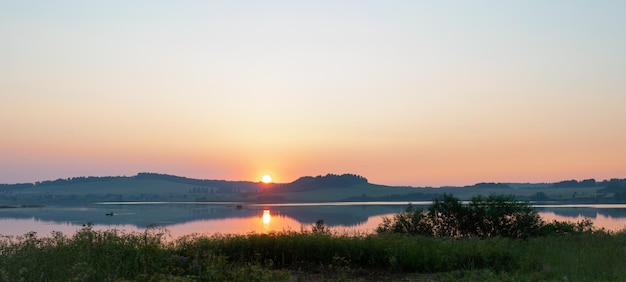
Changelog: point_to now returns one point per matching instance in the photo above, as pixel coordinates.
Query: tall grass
(91, 255)
(88, 255)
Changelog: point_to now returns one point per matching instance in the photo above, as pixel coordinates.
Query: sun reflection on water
(267, 217)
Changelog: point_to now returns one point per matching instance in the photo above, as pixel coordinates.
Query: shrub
(501, 216)
(492, 216)
(559, 227)
(410, 221)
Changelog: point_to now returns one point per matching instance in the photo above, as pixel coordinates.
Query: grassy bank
(91, 255)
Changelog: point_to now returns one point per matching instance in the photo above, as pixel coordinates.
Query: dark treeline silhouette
(614, 186)
(416, 196)
(329, 180)
(184, 180)
(223, 184)
(576, 184)
(16, 186)
(62, 181)
(490, 185)
(77, 180)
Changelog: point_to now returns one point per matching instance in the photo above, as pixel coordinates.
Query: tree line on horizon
(614, 185)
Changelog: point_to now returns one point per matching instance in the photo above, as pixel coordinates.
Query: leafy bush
(559, 227)
(490, 216)
(501, 216)
(410, 221)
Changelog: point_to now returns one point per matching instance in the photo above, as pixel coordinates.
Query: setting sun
(266, 178)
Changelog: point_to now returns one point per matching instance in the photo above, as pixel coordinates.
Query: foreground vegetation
(300, 256)
(550, 252)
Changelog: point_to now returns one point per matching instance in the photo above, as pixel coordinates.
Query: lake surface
(235, 218)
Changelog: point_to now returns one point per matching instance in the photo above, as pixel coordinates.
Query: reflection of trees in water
(336, 215)
(170, 214)
(615, 213)
(138, 215)
(331, 217)
(586, 212)
(173, 214)
(571, 212)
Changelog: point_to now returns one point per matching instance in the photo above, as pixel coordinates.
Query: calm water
(210, 218)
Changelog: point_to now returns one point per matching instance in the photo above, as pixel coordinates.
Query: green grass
(91, 255)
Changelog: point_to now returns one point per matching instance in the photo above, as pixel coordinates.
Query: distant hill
(163, 187)
(139, 176)
(302, 183)
(490, 185)
(329, 180)
(147, 186)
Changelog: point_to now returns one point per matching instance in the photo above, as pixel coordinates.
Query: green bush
(501, 216)
(492, 216)
(410, 221)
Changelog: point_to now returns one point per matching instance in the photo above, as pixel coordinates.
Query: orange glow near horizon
(394, 101)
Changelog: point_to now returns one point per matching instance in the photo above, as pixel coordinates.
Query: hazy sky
(401, 92)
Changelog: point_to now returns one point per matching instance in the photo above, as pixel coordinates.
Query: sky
(420, 93)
